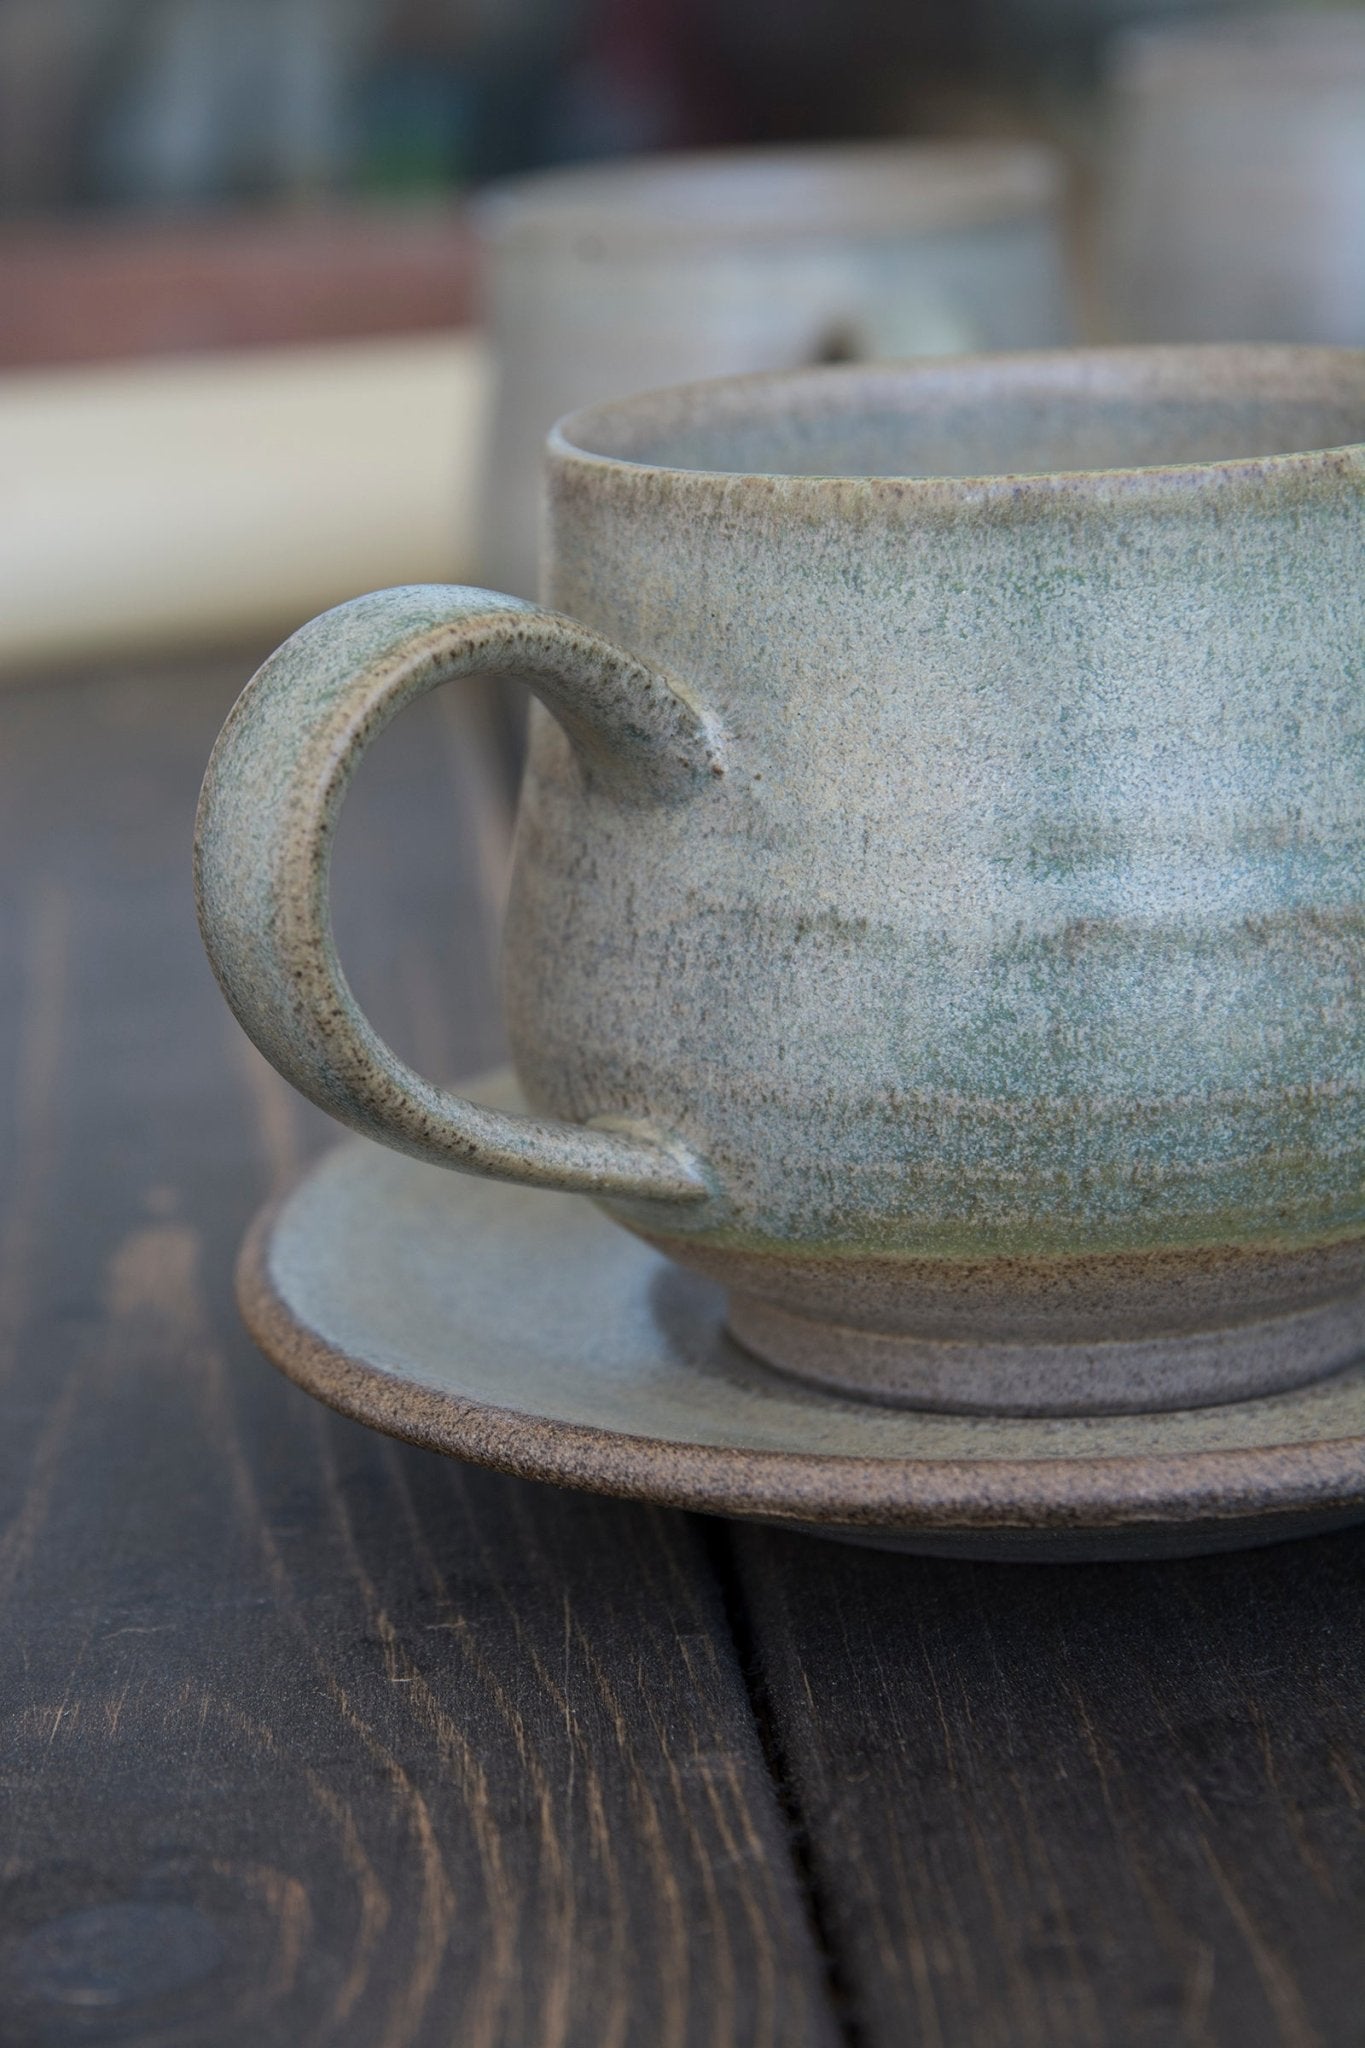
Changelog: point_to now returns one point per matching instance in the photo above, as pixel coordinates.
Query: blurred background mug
(1234, 205)
(610, 279)
(937, 907)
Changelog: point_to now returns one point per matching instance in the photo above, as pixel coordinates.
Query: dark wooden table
(312, 1738)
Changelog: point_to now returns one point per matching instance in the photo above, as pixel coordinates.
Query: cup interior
(1003, 416)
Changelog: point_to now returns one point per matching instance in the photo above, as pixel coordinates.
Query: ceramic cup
(1234, 204)
(609, 279)
(937, 910)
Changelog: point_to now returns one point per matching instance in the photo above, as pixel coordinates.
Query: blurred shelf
(95, 291)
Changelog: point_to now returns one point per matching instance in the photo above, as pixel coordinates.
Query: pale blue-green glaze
(1031, 906)
(1005, 987)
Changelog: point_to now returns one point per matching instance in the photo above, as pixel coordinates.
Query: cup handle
(263, 840)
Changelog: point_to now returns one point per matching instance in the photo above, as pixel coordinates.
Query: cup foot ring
(1167, 1370)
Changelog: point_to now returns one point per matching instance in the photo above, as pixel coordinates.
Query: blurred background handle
(922, 322)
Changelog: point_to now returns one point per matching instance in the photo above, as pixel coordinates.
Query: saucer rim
(821, 1489)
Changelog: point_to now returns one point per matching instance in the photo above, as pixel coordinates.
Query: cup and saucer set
(934, 965)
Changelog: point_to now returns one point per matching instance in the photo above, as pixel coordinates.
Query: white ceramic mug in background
(606, 280)
(1234, 201)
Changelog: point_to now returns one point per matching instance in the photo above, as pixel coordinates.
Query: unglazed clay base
(1188, 1370)
(524, 1330)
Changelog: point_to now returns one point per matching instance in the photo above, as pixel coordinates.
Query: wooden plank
(308, 1736)
(1062, 1805)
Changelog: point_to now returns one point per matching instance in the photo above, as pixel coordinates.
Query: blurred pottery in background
(612, 279)
(937, 914)
(1235, 187)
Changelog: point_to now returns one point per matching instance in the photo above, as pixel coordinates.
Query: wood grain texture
(308, 1736)
(1120, 1806)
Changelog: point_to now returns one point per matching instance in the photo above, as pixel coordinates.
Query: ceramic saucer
(526, 1331)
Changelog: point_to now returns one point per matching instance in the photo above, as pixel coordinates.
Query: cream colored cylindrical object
(612, 279)
(1234, 189)
(174, 503)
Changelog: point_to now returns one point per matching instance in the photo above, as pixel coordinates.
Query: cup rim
(778, 193)
(1270, 370)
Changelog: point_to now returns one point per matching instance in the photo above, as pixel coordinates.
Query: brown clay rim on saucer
(641, 204)
(829, 1490)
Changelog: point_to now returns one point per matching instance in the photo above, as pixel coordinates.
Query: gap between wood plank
(718, 1544)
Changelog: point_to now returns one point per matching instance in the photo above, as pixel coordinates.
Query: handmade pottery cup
(605, 280)
(937, 911)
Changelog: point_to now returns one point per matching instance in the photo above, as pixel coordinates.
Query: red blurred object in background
(97, 291)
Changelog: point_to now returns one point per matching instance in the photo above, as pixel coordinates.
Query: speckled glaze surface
(949, 908)
(522, 1331)
(605, 280)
